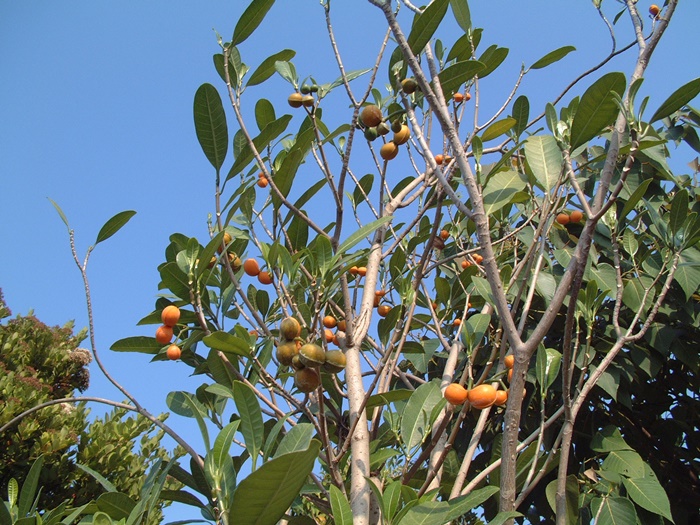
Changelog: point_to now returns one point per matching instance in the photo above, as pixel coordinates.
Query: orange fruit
(380, 293)
(212, 262)
(265, 278)
(295, 100)
(173, 352)
(262, 182)
(465, 264)
(501, 397)
(563, 218)
(164, 334)
(389, 151)
(376, 301)
(444, 235)
(353, 270)
(456, 394)
(477, 258)
(251, 267)
(439, 159)
(227, 240)
(654, 10)
(467, 97)
(457, 322)
(342, 325)
(307, 101)
(510, 375)
(509, 361)
(330, 322)
(328, 335)
(458, 97)
(371, 116)
(401, 137)
(482, 396)
(383, 310)
(170, 315)
(576, 216)
(362, 271)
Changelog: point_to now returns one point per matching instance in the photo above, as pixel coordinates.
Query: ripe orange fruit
(380, 293)
(458, 97)
(295, 100)
(328, 335)
(173, 352)
(262, 182)
(654, 10)
(501, 397)
(439, 159)
(509, 361)
(376, 301)
(482, 396)
(457, 322)
(251, 267)
(444, 235)
(290, 328)
(362, 271)
(227, 240)
(265, 277)
(330, 322)
(401, 137)
(563, 218)
(465, 264)
(456, 394)
(342, 325)
(383, 310)
(576, 216)
(389, 151)
(353, 270)
(164, 334)
(170, 315)
(478, 259)
(371, 116)
(510, 375)
(467, 97)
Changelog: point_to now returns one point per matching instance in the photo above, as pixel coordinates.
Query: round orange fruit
(265, 277)
(174, 352)
(371, 116)
(455, 394)
(576, 216)
(251, 267)
(501, 397)
(170, 315)
(164, 334)
(389, 151)
(482, 396)
(330, 322)
(509, 361)
(563, 218)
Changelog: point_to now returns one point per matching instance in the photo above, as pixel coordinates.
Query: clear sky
(96, 114)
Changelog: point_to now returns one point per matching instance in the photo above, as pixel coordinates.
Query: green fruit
(312, 355)
(409, 85)
(305, 89)
(335, 361)
(383, 128)
(396, 125)
(371, 134)
(290, 328)
(286, 352)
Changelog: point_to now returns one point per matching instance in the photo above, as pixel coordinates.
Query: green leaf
(210, 124)
(182, 496)
(108, 486)
(614, 511)
(502, 517)
(609, 439)
(398, 394)
(677, 100)
(648, 493)
(222, 444)
(625, 462)
(460, 8)
(498, 128)
(521, 113)
(571, 493)
(267, 68)
(426, 24)
(474, 329)
(100, 518)
(12, 492)
(116, 504)
(452, 77)
(552, 56)
(298, 438)
(597, 109)
(360, 234)
(272, 131)
(250, 20)
(252, 426)
(679, 211)
(415, 420)
(113, 225)
(342, 513)
(60, 213)
(492, 58)
(633, 199)
(545, 160)
(501, 189)
(187, 405)
(547, 367)
(29, 486)
(139, 343)
(265, 495)
(228, 343)
(264, 113)
(323, 253)
(688, 275)
(463, 504)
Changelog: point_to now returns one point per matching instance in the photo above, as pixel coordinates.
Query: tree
(44, 365)
(559, 236)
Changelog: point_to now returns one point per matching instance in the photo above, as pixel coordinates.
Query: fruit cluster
(481, 396)
(565, 218)
(164, 333)
(375, 125)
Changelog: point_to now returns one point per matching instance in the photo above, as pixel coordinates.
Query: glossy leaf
(222, 444)
(426, 24)
(252, 426)
(636, 196)
(298, 438)
(521, 114)
(113, 225)
(187, 405)
(227, 343)
(360, 234)
(648, 493)
(432, 512)
(106, 484)
(415, 420)
(210, 124)
(271, 132)
(492, 58)
(29, 487)
(60, 213)
(597, 108)
(267, 68)
(609, 439)
(340, 507)
(452, 77)
(547, 367)
(460, 9)
(139, 343)
(625, 462)
(501, 189)
(679, 211)
(545, 160)
(115, 504)
(498, 128)
(552, 56)
(614, 511)
(398, 394)
(571, 493)
(474, 330)
(677, 100)
(250, 20)
(264, 113)
(265, 495)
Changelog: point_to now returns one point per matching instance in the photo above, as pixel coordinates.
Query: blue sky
(96, 114)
